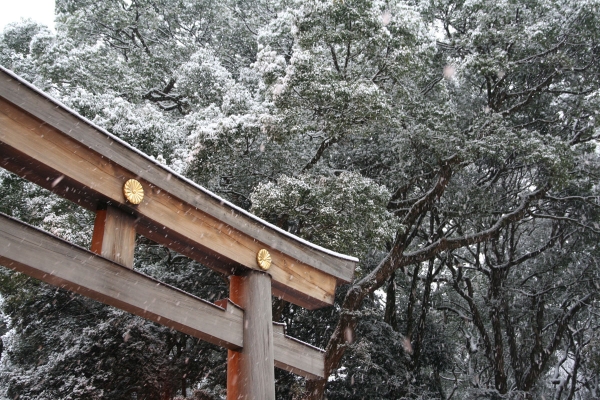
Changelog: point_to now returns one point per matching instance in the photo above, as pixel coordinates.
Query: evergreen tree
(449, 144)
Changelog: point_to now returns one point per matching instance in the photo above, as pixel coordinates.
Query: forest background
(451, 145)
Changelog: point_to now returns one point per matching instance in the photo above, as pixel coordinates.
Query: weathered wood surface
(114, 235)
(342, 267)
(251, 370)
(162, 217)
(296, 356)
(290, 354)
(41, 139)
(54, 261)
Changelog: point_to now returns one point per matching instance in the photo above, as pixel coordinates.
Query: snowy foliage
(346, 213)
(450, 144)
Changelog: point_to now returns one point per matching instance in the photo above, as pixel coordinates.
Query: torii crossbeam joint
(52, 146)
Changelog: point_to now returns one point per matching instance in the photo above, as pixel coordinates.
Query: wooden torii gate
(54, 147)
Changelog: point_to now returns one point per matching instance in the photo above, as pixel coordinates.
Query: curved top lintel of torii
(51, 145)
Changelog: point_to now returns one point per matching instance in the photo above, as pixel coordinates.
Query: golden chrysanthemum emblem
(264, 259)
(133, 191)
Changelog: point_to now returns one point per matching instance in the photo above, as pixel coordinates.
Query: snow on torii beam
(49, 144)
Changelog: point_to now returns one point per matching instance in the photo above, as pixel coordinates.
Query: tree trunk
(390, 303)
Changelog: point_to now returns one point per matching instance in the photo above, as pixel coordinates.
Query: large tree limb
(322, 147)
(544, 354)
(397, 259)
(447, 244)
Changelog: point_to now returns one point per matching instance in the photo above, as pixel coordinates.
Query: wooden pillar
(251, 371)
(114, 235)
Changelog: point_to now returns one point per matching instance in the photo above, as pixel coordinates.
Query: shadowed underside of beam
(55, 261)
(52, 146)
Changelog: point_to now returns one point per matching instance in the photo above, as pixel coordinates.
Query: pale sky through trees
(38, 10)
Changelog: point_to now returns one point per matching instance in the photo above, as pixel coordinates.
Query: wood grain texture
(28, 145)
(114, 235)
(251, 371)
(85, 134)
(296, 356)
(290, 354)
(52, 260)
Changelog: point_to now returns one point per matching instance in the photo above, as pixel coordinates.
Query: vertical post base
(251, 371)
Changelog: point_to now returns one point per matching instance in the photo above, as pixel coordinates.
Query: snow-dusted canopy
(50, 141)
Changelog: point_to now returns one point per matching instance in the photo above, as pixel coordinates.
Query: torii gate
(54, 147)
